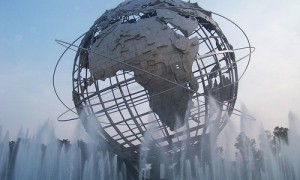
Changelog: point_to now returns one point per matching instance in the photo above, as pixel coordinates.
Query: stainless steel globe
(151, 65)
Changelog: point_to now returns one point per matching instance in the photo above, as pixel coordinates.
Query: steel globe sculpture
(153, 64)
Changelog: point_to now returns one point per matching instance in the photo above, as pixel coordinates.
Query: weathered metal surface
(153, 63)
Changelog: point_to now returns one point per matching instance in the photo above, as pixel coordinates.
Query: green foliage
(281, 134)
(247, 147)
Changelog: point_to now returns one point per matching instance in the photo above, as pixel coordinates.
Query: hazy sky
(28, 53)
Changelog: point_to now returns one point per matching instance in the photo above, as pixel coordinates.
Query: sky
(28, 54)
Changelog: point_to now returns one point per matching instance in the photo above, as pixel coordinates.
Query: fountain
(34, 158)
(154, 84)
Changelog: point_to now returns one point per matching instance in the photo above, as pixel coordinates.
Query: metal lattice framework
(118, 106)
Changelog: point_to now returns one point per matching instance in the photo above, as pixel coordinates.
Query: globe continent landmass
(158, 48)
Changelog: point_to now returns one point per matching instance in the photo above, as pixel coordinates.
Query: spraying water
(43, 156)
